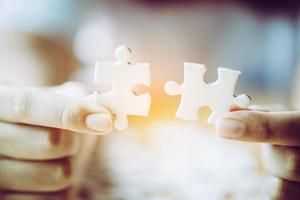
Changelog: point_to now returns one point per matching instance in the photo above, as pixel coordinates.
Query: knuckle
(260, 127)
(49, 145)
(63, 168)
(274, 187)
(292, 166)
(292, 125)
(67, 118)
(53, 137)
(283, 189)
(22, 104)
(285, 162)
(61, 174)
(60, 143)
(46, 176)
(71, 115)
(265, 131)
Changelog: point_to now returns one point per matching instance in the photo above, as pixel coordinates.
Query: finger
(263, 108)
(36, 143)
(72, 89)
(280, 128)
(12, 195)
(283, 162)
(272, 107)
(40, 107)
(235, 107)
(285, 190)
(29, 176)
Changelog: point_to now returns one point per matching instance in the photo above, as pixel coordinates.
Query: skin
(279, 134)
(37, 135)
(46, 134)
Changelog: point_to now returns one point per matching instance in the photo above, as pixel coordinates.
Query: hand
(281, 131)
(37, 139)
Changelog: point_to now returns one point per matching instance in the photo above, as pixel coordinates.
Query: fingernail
(99, 122)
(230, 128)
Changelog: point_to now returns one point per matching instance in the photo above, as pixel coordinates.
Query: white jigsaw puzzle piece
(123, 76)
(196, 93)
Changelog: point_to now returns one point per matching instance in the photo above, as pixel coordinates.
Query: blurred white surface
(179, 160)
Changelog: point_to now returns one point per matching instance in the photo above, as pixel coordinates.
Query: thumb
(40, 107)
(281, 128)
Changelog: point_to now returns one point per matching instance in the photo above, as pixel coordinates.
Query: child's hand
(281, 130)
(37, 139)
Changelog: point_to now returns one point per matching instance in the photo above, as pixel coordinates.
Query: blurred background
(52, 41)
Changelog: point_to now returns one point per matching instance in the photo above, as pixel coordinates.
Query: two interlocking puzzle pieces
(123, 76)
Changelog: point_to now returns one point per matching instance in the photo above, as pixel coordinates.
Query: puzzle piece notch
(192, 71)
(121, 122)
(172, 88)
(123, 76)
(196, 93)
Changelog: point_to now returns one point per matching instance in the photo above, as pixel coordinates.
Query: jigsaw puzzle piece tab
(172, 88)
(242, 100)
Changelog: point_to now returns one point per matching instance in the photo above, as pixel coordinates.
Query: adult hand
(281, 133)
(37, 139)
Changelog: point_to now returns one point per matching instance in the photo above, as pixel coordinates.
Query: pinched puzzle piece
(123, 76)
(195, 92)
